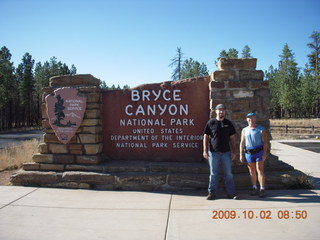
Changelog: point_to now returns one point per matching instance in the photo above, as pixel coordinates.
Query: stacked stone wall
(241, 87)
(78, 164)
(85, 147)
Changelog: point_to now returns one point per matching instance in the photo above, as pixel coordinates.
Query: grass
(14, 156)
(303, 122)
(297, 128)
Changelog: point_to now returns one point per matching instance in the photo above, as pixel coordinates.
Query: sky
(132, 42)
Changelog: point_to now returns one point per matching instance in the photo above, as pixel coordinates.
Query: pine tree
(274, 84)
(289, 80)
(26, 89)
(314, 65)
(176, 62)
(191, 68)
(314, 62)
(246, 52)
(7, 89)
(233, 53)
(308, 93)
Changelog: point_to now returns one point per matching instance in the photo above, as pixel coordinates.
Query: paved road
(31, 213)
(14, 138)
(310, 146)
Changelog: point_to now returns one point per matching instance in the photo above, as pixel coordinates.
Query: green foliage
(246, 52)
(43, 72)
(233, 53)
(103, 85)
(187, 68)
(288, 76)
(26, 79)
(315, 53)
(294, 93)
(7, 83)
(176, 62)
(21, 88)
(191, 68)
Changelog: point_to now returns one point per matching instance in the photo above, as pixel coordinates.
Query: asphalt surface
(51, 213)
(310, 146)
(9, 139)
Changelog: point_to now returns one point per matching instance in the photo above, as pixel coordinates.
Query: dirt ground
(5, 177)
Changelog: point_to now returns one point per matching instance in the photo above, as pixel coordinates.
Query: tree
(26, 89)
(7, 89)
(73, 70)
(176, 62)
(315, 53)
(308, 93)
(246, 52)
(233, 53)
(289, 80)
(191, 68)
(314, 65)
(223, 54)
(274, 85)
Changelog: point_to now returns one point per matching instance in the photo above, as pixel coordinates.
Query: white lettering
(164, 95)
(140, 110)
(147, 95)
(126, 110)
(157, 95)
(176, 96)
(135, 95)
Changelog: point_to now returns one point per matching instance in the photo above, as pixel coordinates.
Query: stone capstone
(74, 80)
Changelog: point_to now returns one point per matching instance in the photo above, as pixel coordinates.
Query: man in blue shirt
(253, 151)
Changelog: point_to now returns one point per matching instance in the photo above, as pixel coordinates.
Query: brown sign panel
(156, 122)
(65, 111)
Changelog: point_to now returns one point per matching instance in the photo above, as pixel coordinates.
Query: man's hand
(205, 155)
(242, 159)
(264, 157)
(233, 156)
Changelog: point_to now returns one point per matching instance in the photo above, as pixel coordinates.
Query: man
(254, 144)
(219, 136)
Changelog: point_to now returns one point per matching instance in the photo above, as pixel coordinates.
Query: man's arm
(265, 145)
(232, 144)
(205, 146)
(242, 144)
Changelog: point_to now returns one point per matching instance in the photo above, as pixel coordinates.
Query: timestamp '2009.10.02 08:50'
(259, 214)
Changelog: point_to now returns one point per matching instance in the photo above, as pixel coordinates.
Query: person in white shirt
(253, 152)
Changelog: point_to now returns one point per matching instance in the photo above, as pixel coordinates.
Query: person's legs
(227, 170)
(260, 170)
(214, 161)
(261, 178)
(251, 163)
(253, 173)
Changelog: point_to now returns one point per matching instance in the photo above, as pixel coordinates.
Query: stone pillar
(239, 86)
(85, 147)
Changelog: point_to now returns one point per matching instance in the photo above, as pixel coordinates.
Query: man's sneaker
(254, 192)
(211, 196)
(232, 196)
(262, 193)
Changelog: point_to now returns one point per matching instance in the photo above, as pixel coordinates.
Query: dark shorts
(253, 158)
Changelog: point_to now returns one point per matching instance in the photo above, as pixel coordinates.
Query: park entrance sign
(156, 122)
(145, 138)
(65, 111)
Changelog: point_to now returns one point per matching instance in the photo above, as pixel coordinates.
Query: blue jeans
(214, 161)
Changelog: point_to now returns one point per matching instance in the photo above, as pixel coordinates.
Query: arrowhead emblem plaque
(65, 111)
